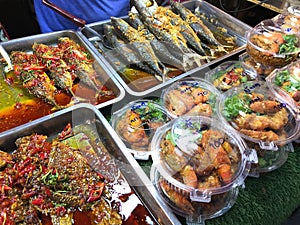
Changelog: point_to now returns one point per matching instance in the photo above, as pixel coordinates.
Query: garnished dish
(198, 163)
(271, 46)
(66, 179)
(64, 69)
(136, 123)
(156, 43)
(259, 114)
(288, 78)
(230, 74)
(192, 96)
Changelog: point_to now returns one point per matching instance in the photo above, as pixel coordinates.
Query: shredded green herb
(290, 44)
(236, 104)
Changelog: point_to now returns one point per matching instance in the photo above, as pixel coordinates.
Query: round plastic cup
(231, 74)
(288, 22)
(198, 165)
(190, 96)
(265, 119)
(269, 45)
(136, 124)
(287, 79)
(193, 211)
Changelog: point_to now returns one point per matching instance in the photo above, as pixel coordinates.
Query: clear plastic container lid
(270, 45)
(231, 74)
(261, 70)
(288, 22)
(190, 96)
(136, 123)
(200, 156)
(268, 160)
(288, 79)
(260, 114)
(195, 212)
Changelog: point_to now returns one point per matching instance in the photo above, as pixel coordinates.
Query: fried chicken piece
(261, 135)
(265, 107)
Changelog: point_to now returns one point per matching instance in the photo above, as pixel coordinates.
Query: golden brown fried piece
(274, 121)
(261, 135)
(189, 176)
(265, 107)
(179, 199)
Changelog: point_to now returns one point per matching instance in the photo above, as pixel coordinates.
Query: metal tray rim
(104, 67)
(161, 85)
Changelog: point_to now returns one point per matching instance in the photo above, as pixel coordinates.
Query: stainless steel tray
(234, 27)
(82, 114)
(25, 44)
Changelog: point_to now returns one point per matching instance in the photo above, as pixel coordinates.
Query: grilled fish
(159, 47)
(33, 77)
(197, 24)
(122, 54)
(141, 45)
(165, 31)
(57, 67)
(77, 58)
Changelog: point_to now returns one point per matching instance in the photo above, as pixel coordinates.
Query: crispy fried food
(262, 135)
(265, 106)
(189, 176)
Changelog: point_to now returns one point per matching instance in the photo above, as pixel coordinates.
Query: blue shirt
(88, 10)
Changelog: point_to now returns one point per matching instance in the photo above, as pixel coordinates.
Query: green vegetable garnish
(290, 44)
(287, 81)
(236, 104)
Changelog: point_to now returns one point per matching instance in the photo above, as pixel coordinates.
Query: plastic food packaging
(198, 165)
(264, 118)
(136, 123)
(288, 79)
(190, 96)
(261, 70)
(231, 74)
(270, 45)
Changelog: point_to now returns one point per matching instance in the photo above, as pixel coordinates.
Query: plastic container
(288, 22)
(264, 118)
(288, 79)
(231, 74)
(261, 70)
(199, 164)
(269, 45)
(136, 123)
(190, 96)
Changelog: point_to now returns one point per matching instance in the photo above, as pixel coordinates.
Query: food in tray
(63, 70)
(137, 122)
(269, 45)
(288, 78)
(230, 74)
(66, 179)
(177, 39)
(190, 97)
(255, 114)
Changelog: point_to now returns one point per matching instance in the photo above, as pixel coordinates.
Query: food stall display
(198, 165)
(179, 39)
(67, 168)
(208, 125)
(51, 72)
(265, 119)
